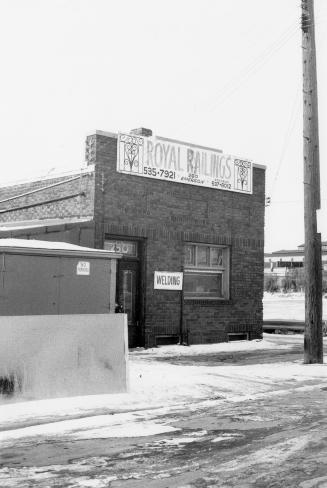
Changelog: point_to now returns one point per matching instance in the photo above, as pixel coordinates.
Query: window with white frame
(206, 271)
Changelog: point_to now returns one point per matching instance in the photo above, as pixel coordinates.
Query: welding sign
(166, 280)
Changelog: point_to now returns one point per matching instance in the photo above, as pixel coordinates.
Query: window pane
(203, 285)
(202, 258)
(216, 256)
(128, 295)
(190, 255)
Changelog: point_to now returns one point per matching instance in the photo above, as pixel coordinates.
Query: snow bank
(203, 349)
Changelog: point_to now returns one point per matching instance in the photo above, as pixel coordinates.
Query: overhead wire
(236, 82)
(255, 65)
(287, 138)
(251, 68)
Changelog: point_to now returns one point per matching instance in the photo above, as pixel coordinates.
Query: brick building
(177, 212)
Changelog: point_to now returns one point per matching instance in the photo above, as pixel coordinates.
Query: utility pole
(313, 342)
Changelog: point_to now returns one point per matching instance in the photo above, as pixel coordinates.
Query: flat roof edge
(102, 254)
(13, 225)
(191, 144)
(260, 166)
(105, 133)
(86, 170)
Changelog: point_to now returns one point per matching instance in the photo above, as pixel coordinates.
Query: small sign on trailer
(83, 268)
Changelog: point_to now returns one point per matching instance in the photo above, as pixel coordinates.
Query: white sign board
(164, 159)
(166, 280)
(83, 268)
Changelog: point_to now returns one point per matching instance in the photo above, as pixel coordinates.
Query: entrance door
(128, 294)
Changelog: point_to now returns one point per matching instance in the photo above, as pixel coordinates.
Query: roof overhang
(49, 248)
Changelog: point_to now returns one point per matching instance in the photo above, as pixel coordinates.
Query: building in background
(284, 269)
(187, 219)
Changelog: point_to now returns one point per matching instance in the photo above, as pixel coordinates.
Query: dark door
(128, 296)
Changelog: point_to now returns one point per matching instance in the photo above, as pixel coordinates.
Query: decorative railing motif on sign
(179, 162)
(132, 146)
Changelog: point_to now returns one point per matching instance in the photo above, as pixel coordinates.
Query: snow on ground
(287, 306)
(100, 426)
(276, 296)
(283, 296)
(200, 349)
(160, 387)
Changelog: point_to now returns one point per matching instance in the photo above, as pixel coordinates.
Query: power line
(287, 138)
(255, 65)
(236, 82)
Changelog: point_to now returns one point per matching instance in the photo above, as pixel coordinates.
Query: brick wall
(168, 214)
(73, 197)
(79, 233)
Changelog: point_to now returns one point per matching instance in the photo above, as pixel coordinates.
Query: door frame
(141, 259)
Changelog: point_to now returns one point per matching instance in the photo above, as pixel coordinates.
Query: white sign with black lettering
(83, 268)
(180, 162)
(167, 280)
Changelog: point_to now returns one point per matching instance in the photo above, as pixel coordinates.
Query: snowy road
(227, 415)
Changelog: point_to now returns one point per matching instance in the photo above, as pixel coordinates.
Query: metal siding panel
(28, 286)
(84, 294)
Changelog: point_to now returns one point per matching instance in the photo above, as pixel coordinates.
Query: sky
(214, 73)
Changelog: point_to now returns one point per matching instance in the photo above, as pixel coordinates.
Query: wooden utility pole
(313, 343)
